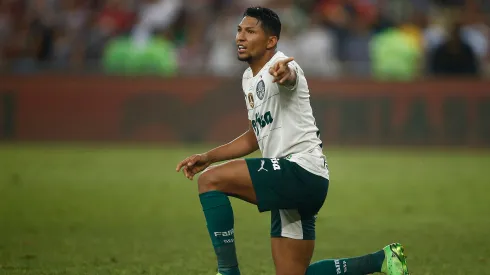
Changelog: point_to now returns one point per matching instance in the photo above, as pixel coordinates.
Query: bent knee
(207, 181)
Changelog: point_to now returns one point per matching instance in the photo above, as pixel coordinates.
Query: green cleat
(395, 262)
(228, 272)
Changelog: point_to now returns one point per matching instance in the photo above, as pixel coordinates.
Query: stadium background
(100, 99)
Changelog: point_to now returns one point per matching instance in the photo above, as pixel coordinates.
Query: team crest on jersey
(251, 100)
(260, 89)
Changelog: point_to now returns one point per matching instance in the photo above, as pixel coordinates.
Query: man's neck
(257, 65)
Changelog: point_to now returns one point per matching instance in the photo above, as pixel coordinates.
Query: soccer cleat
(228, 272)
(395, 262)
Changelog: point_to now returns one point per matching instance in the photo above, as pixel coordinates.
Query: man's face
(252, 41)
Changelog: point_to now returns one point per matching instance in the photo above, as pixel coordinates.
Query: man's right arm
(239, 147)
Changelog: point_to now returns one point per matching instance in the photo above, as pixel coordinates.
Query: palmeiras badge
(260, 89)
(251, 99)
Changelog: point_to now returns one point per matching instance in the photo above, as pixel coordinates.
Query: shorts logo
(260, 89)
(262, 162)
(251, 100)
(337, 266)
(275, 164)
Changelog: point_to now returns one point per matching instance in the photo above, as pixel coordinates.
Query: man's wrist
(291, 80)
(208, 156)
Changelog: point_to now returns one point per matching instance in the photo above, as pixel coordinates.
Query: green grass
(123, 210)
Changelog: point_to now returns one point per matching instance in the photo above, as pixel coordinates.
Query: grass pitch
(123, 210)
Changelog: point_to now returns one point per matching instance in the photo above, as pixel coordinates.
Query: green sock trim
(213, 199)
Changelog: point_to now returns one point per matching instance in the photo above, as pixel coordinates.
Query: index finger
(182, 163)
(273, 69)
(192, 160)
(287, 60)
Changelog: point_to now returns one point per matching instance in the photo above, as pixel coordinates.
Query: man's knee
(207, 181)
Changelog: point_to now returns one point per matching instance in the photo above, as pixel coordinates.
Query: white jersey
(282, 118)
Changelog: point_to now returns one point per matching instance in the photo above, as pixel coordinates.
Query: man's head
(257, 33)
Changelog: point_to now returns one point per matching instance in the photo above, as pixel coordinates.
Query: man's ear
(272, 42)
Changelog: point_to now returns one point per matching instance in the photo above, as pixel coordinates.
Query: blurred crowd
(384, 39)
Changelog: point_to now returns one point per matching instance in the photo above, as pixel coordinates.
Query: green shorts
(292, 194)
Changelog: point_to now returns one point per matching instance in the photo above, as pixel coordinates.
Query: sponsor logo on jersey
(261, 121)
(251, 100)
(260, 89)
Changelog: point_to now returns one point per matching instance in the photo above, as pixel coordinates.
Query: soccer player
(291, 180)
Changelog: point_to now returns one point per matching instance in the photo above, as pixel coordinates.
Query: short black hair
(270, 20)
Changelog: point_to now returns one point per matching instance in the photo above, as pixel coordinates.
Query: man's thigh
(291, 257)
(231, 178)
(293, 240)
(294, 196)
(282, 184)
(269, 178)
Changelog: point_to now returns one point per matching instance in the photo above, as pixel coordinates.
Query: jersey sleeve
(299, 73)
